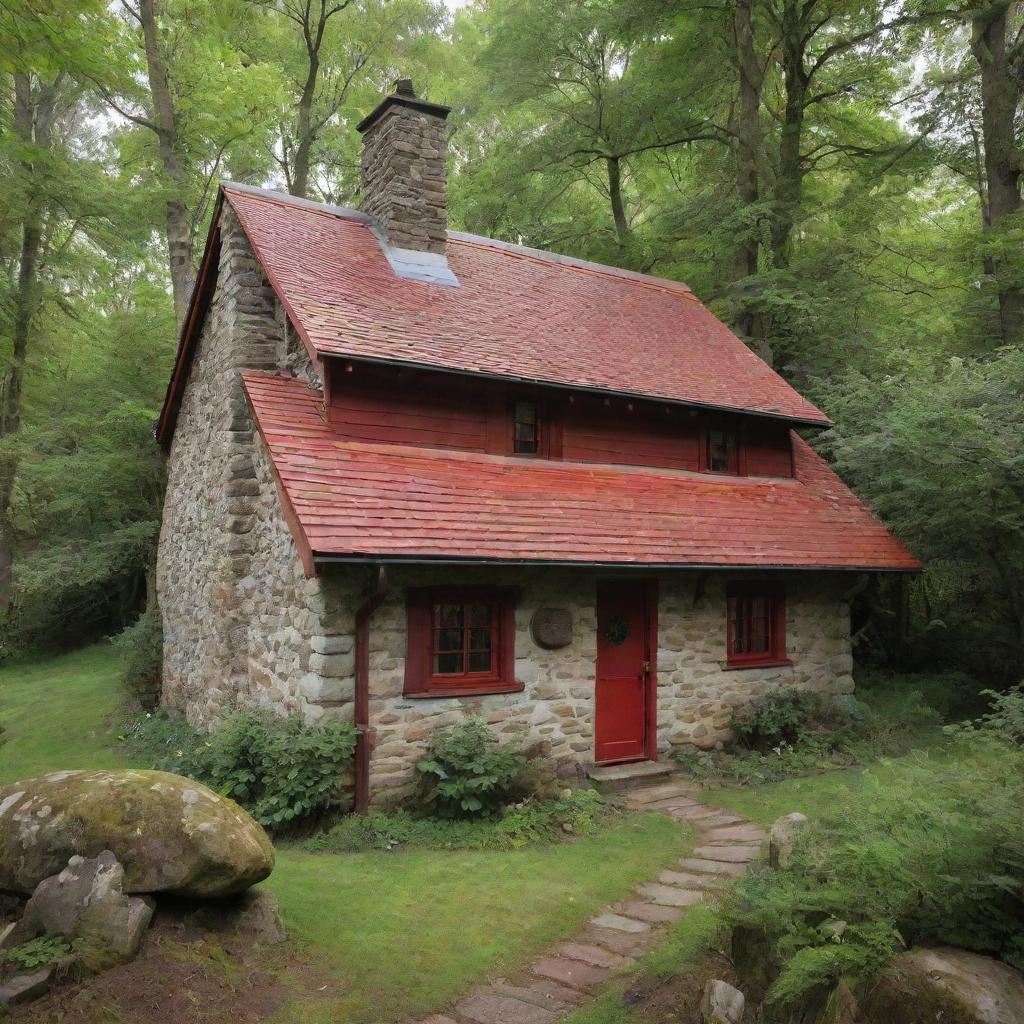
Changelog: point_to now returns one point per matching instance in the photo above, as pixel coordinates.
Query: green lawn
(60, 713)
(398, 933)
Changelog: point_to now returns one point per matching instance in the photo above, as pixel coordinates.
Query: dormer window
(721, 450)
(525, 429)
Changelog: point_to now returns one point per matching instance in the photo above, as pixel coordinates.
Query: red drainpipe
(361, 714)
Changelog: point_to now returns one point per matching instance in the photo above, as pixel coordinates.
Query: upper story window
(721, 450)
(756, 627)
(460, 640)
(525, 429)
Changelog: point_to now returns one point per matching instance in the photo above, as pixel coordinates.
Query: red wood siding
(436, 410)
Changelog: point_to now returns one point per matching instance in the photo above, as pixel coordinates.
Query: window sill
(484, 690)
(738, 666)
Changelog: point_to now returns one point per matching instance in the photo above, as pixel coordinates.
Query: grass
(399, 934)
(60, 713)
(407, 932)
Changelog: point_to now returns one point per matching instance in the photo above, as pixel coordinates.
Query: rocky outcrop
(169, 833)
(783, 837)
(721, 1004)
(948, 985)
(86, 905)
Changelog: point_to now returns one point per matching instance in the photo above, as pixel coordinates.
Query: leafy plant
(282, 770)
(142, 646)
(580, 812)
(467, 773)
(782, 716)
(34, 953)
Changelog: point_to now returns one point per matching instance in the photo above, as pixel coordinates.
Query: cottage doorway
(623, 670)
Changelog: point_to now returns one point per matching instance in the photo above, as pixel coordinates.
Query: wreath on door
(616, 630)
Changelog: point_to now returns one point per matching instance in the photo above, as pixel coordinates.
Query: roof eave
(327, 558)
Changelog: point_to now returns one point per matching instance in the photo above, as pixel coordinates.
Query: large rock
(169, 833)
(86, 904)
(947, 985)
(721, 1003)
(782, 838)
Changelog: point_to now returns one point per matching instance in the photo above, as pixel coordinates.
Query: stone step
(728, 854)
(631, 776)
(541, 992)
(573, 973)
(656, 913)
(594, 955)
(669, 895)
(619, 923)
(623, 943)
(662, 791)
(488, 1007)
(670, 804)
(735, 834)
(716, 821)
(685, 880)
(711, 867)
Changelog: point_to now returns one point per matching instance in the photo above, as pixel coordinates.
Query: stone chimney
(403, 166)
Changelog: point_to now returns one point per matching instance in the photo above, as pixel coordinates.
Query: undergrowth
(575, 813)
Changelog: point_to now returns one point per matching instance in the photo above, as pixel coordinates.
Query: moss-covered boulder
(171, 834)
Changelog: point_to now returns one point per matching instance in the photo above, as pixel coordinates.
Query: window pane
(448, 664)
(448, 615)
(738, 638)
(479, 639)
(448, 640)
(480, 661)
(721, 451)
(478, 615)
(525, 435)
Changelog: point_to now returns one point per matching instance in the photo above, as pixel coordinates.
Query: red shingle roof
(516, 313)
(352, 500)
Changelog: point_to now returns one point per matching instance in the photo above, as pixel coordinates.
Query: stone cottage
(416, 474)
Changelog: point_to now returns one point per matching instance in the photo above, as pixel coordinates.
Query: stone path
(566, 977)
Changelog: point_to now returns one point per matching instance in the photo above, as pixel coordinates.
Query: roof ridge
(313, 205)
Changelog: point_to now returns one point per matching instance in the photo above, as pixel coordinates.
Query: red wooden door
(620, 731)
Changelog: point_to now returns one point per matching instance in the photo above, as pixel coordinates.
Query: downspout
(361, 711)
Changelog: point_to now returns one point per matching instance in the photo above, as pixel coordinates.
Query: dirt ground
(183, 975)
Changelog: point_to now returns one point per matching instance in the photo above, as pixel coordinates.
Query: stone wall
(697, 693)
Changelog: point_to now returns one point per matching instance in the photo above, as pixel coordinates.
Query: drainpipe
(361, 713)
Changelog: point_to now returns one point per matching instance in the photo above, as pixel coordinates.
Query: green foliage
(283, 771)
(782, 716)
(35, 953)
(581, 812)
(931, 857)
(141, 646)
(467, 773)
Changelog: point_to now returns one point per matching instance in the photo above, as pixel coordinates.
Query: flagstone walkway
(567, 977)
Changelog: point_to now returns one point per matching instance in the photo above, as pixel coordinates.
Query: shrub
(142, 647)
(467, 773)
(783, 716)
(532, 821)
(932, 857)
(282, 770)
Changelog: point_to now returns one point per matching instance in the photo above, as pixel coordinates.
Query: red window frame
(733, 443)
(422, 678)
(741, 609)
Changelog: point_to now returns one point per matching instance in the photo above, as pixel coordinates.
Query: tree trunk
(789, 184)
(178, 227)
(1000, 97)
(749, 322)
(618, 206)
(299, 184)
(34, 110)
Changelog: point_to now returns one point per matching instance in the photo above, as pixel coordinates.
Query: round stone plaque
(552, 627)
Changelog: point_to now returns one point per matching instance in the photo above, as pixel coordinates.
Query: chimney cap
(404, 95)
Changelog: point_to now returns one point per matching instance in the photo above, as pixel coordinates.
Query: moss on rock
(170, 833)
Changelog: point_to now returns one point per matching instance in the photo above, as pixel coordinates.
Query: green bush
(782, 716)
(282, 770)
(142, 647)
(937, 856)
(35, 953)
(468, 773)
(531, 821)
